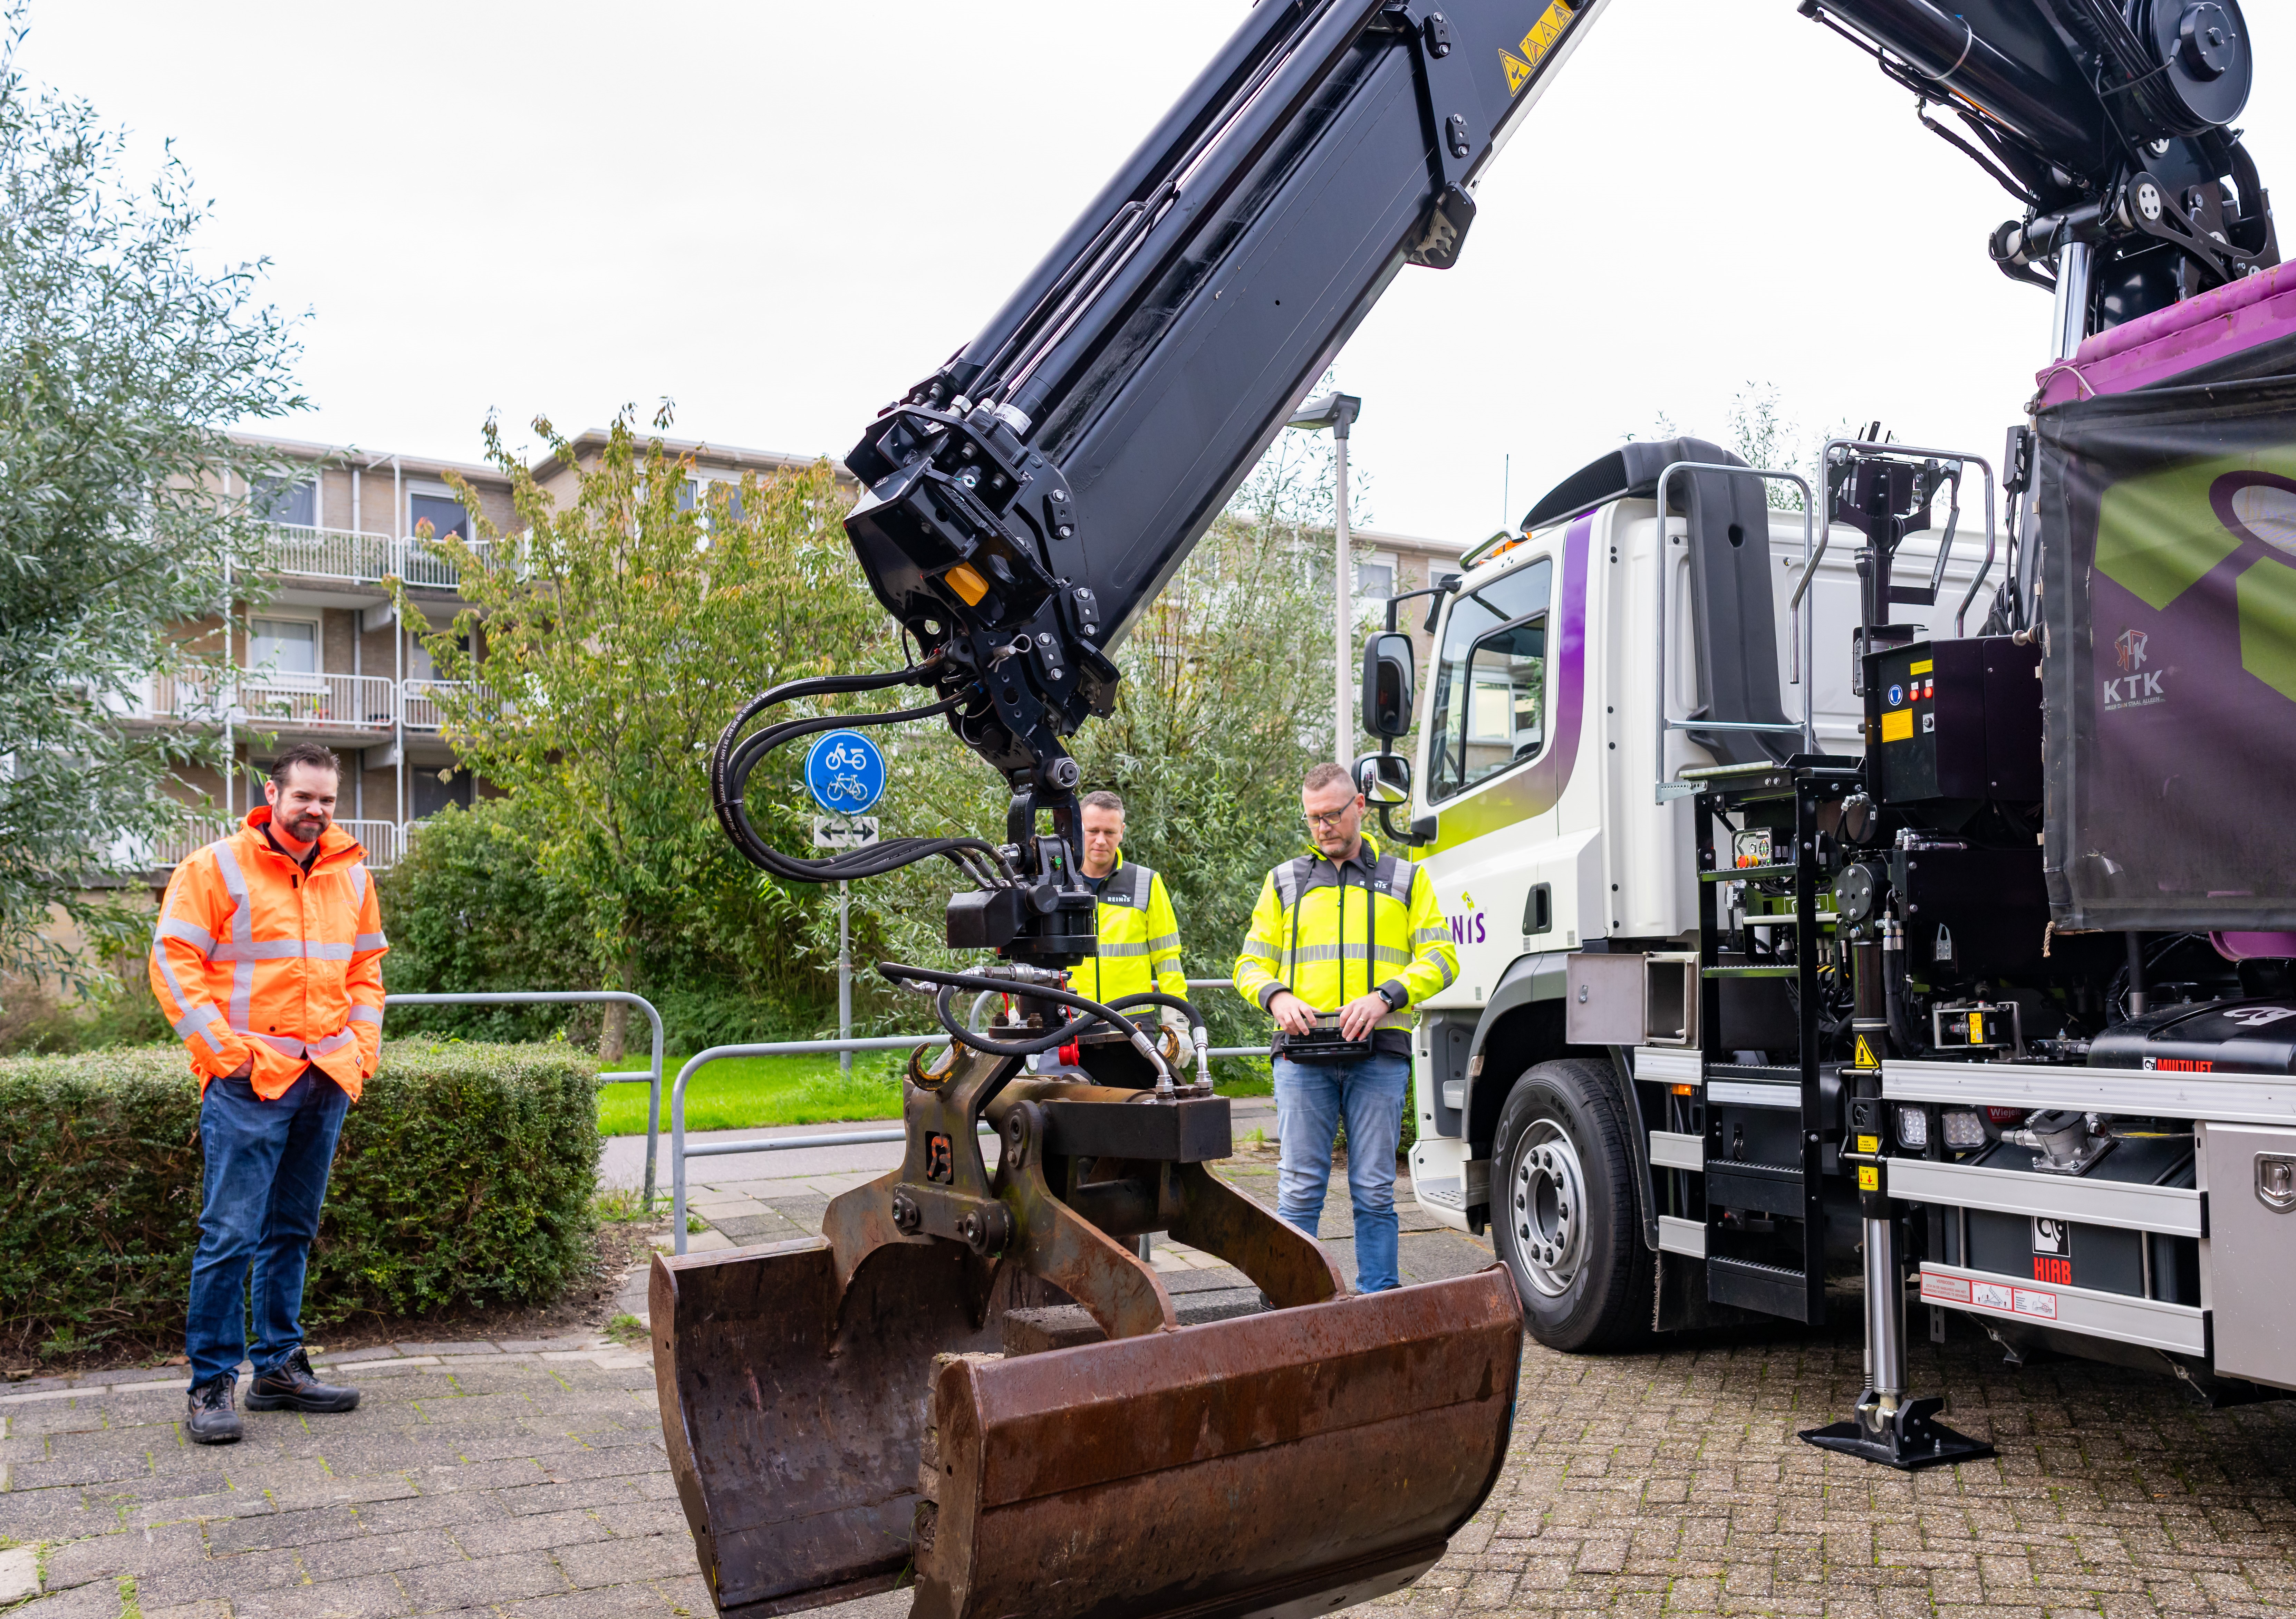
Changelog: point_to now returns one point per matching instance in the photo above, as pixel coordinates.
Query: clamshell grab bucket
(849, 1412)
(826, 1443)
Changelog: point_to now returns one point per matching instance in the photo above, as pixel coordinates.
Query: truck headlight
(1913, 1126)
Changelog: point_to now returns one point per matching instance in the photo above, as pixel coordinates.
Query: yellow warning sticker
(1869, 1178)
(1864, 1057)
(1923, 667)
(1535, 45)
(1977, 1028)
(1869, 1143)
(1898, 725)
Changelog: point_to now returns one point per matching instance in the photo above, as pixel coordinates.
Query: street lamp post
(1337, 412)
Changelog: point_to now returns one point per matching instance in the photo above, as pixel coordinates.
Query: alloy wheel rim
(1547, 1208)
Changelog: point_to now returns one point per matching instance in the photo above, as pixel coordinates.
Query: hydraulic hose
(1093, 1011)
(736, 756)
(1198, 1036)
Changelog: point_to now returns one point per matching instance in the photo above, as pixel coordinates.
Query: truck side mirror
(1383, 778)
(1388, 680)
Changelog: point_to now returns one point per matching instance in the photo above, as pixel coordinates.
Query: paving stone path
(527, 1480)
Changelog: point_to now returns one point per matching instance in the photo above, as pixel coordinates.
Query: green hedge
(464, 1178)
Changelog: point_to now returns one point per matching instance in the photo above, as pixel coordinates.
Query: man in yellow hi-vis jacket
(1139, 935)
(1350, 931)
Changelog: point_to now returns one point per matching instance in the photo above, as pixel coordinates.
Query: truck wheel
(1562, 1209)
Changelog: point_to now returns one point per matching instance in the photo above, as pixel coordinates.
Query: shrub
(464, 1178)
(474, 907)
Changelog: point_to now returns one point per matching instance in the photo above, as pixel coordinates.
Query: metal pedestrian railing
(679, 1152)
(651, 1075)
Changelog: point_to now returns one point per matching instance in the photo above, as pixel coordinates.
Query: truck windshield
(1490, 680)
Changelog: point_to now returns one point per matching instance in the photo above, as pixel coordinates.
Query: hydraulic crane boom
(1028, 500)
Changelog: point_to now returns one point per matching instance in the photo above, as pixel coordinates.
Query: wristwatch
(1387, 995)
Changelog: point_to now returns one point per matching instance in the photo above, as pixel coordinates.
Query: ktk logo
(2133, 689)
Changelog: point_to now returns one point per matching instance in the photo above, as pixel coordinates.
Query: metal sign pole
(844, 974)
(845, 773)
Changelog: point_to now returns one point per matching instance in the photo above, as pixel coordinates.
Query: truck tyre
(1563, 1211)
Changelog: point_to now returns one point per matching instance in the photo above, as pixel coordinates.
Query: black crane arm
(1025, 503)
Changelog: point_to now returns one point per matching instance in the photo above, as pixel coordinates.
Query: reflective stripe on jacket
(1312, 934)
(253, 958)
(1139, 938)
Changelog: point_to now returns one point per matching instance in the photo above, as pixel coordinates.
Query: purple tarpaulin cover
(2200, 332)
(2168, 530)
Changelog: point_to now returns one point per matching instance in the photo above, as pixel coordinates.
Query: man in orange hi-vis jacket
(268, 961)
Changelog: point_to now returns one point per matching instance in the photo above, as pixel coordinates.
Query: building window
(292, 502)
(283, 646)
(444, 514)
(431, 791)
(695, 493)
(1375, 576)
(418, 663)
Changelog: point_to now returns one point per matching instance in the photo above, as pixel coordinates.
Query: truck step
(1772, 1289)
(1742, 874)
(1762, 1187)
(1783, 972)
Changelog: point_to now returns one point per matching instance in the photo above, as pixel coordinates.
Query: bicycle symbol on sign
(845, 774)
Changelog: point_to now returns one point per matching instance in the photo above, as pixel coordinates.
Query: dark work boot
(212, 1421)
(291, 1386)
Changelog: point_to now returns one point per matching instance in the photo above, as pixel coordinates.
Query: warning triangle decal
(1864, 1058)
(1518, 71)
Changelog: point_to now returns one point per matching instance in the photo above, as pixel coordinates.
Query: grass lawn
(746, 1093)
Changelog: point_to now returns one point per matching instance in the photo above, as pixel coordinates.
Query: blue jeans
(266, 1177)
(1309, 1098)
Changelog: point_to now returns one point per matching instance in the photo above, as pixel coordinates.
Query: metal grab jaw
(839, 1413)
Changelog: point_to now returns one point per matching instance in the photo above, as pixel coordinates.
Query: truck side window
(1490, 680)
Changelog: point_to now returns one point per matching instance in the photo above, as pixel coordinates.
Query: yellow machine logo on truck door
(1535, 45)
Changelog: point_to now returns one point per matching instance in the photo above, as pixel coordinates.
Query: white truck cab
(1552, 766)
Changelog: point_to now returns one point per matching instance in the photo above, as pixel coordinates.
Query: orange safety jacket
(253, 958)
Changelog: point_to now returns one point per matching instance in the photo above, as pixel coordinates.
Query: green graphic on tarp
(2161, 533)
(2268, 626)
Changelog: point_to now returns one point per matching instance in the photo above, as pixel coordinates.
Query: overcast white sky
(780, 215)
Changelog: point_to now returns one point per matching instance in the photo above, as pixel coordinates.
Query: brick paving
(1672, 1481)
(527, 1481)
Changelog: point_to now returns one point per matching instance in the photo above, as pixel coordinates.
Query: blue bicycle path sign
(844, 772)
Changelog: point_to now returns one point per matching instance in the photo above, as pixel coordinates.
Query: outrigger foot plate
(1907, 1439)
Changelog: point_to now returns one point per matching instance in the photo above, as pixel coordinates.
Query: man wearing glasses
(1344, 941)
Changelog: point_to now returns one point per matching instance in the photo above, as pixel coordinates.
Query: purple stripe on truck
(1535, 788)
(2213, 326)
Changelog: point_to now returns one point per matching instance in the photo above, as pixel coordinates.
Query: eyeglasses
(1320, 822)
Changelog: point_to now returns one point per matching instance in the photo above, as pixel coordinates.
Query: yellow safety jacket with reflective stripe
(256, 960)
(1331, 933)
(1139, 938)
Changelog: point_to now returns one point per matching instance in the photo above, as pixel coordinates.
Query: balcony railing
(383, 841)
(350, 556)
(419, 701)
(317, 702)
(323, 703)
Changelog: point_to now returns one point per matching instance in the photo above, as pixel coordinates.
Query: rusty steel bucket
(1241, 1466)
(852, 1412)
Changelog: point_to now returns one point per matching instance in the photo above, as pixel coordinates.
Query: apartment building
(1388, 564)
(327, 659)
(325, 656)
